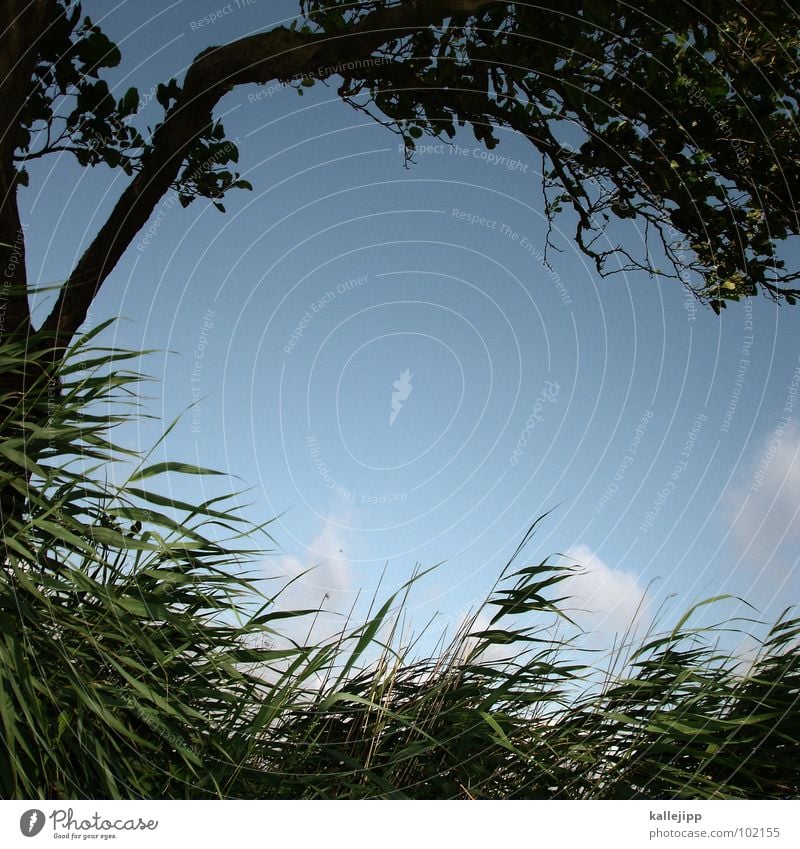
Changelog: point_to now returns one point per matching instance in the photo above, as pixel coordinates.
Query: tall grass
(138, 659)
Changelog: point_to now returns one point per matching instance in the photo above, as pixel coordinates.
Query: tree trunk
(21, 22)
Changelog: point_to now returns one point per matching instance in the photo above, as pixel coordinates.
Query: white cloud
(763, 508)
(322, 578)
(602, 599)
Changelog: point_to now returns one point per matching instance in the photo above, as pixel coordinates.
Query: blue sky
(665, 438)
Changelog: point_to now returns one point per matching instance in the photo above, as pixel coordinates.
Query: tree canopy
(679, 116)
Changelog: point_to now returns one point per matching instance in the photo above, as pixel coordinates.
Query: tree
(681, 118)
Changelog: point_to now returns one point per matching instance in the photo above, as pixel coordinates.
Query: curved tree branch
(278, 54)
